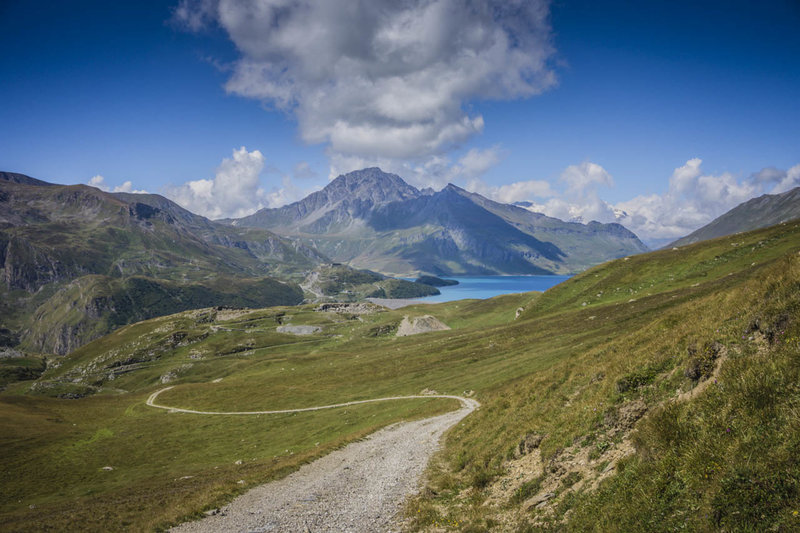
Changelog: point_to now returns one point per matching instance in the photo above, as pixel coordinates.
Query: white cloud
(512, 192)
(580, 200)
(127, 186)
(790, 181)
(434, 171)
(285, 194)
(303, 171)
(593, 210)
(692, 200)
(476, 162)
(383, 79)
(584, 178)
(582, 194)
(195, 15)
(783, 180)
(235, 190)
(768, 175)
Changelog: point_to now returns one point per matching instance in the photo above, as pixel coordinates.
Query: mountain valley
(634, 391)
(78, 262)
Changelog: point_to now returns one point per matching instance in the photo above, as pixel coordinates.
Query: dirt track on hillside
(360, 487)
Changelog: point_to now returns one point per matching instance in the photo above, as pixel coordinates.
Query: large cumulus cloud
(693, 199)
(382, 78)
(235, 190)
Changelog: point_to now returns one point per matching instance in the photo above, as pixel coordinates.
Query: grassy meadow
(656, 392)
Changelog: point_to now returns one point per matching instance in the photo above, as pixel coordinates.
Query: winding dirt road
(360, 487)
(151, 401)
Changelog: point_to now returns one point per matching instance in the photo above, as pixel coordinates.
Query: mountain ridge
(372, 219)
(77, 262)
(73, 258)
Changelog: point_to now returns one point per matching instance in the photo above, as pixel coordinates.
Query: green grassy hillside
(91, 306)
(90, 251)
(654, 393)
(699, 346)
(77, 262)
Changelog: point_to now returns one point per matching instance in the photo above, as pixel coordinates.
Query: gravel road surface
(359, 488)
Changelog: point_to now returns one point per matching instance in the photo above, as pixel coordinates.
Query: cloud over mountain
(783, 180)
(381, 78)
(235, 189)
(100, 182)
(580, 199)
(693, 198)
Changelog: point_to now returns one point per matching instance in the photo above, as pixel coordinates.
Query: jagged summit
(372, 219)
(338, 207)
(370, 184)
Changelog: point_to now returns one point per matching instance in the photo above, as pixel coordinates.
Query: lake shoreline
(478, 288)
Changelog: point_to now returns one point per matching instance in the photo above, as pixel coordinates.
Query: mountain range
(77, 262)
(764, 211)
(375, 220)
(656, 392)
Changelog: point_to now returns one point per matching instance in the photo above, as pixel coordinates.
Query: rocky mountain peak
(371, 184)
(376, 220)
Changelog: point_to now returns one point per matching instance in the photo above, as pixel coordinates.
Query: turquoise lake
(482, 287)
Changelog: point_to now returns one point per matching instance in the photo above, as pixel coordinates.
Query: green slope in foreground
(653, 393)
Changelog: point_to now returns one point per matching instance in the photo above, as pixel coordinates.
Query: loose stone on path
(359, 488)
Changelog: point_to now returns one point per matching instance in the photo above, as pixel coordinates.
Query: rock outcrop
(420, 324)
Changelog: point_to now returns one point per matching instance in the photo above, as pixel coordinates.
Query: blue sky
(671, 112)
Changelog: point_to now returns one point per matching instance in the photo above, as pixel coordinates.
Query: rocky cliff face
(52, 335)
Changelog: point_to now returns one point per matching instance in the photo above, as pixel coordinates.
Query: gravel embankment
(359, 488)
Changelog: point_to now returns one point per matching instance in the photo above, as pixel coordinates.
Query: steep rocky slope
(91, 306)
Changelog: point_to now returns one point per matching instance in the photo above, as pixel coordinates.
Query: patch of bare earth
(420, 324)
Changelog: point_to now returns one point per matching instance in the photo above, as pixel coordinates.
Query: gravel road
(359, 488)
